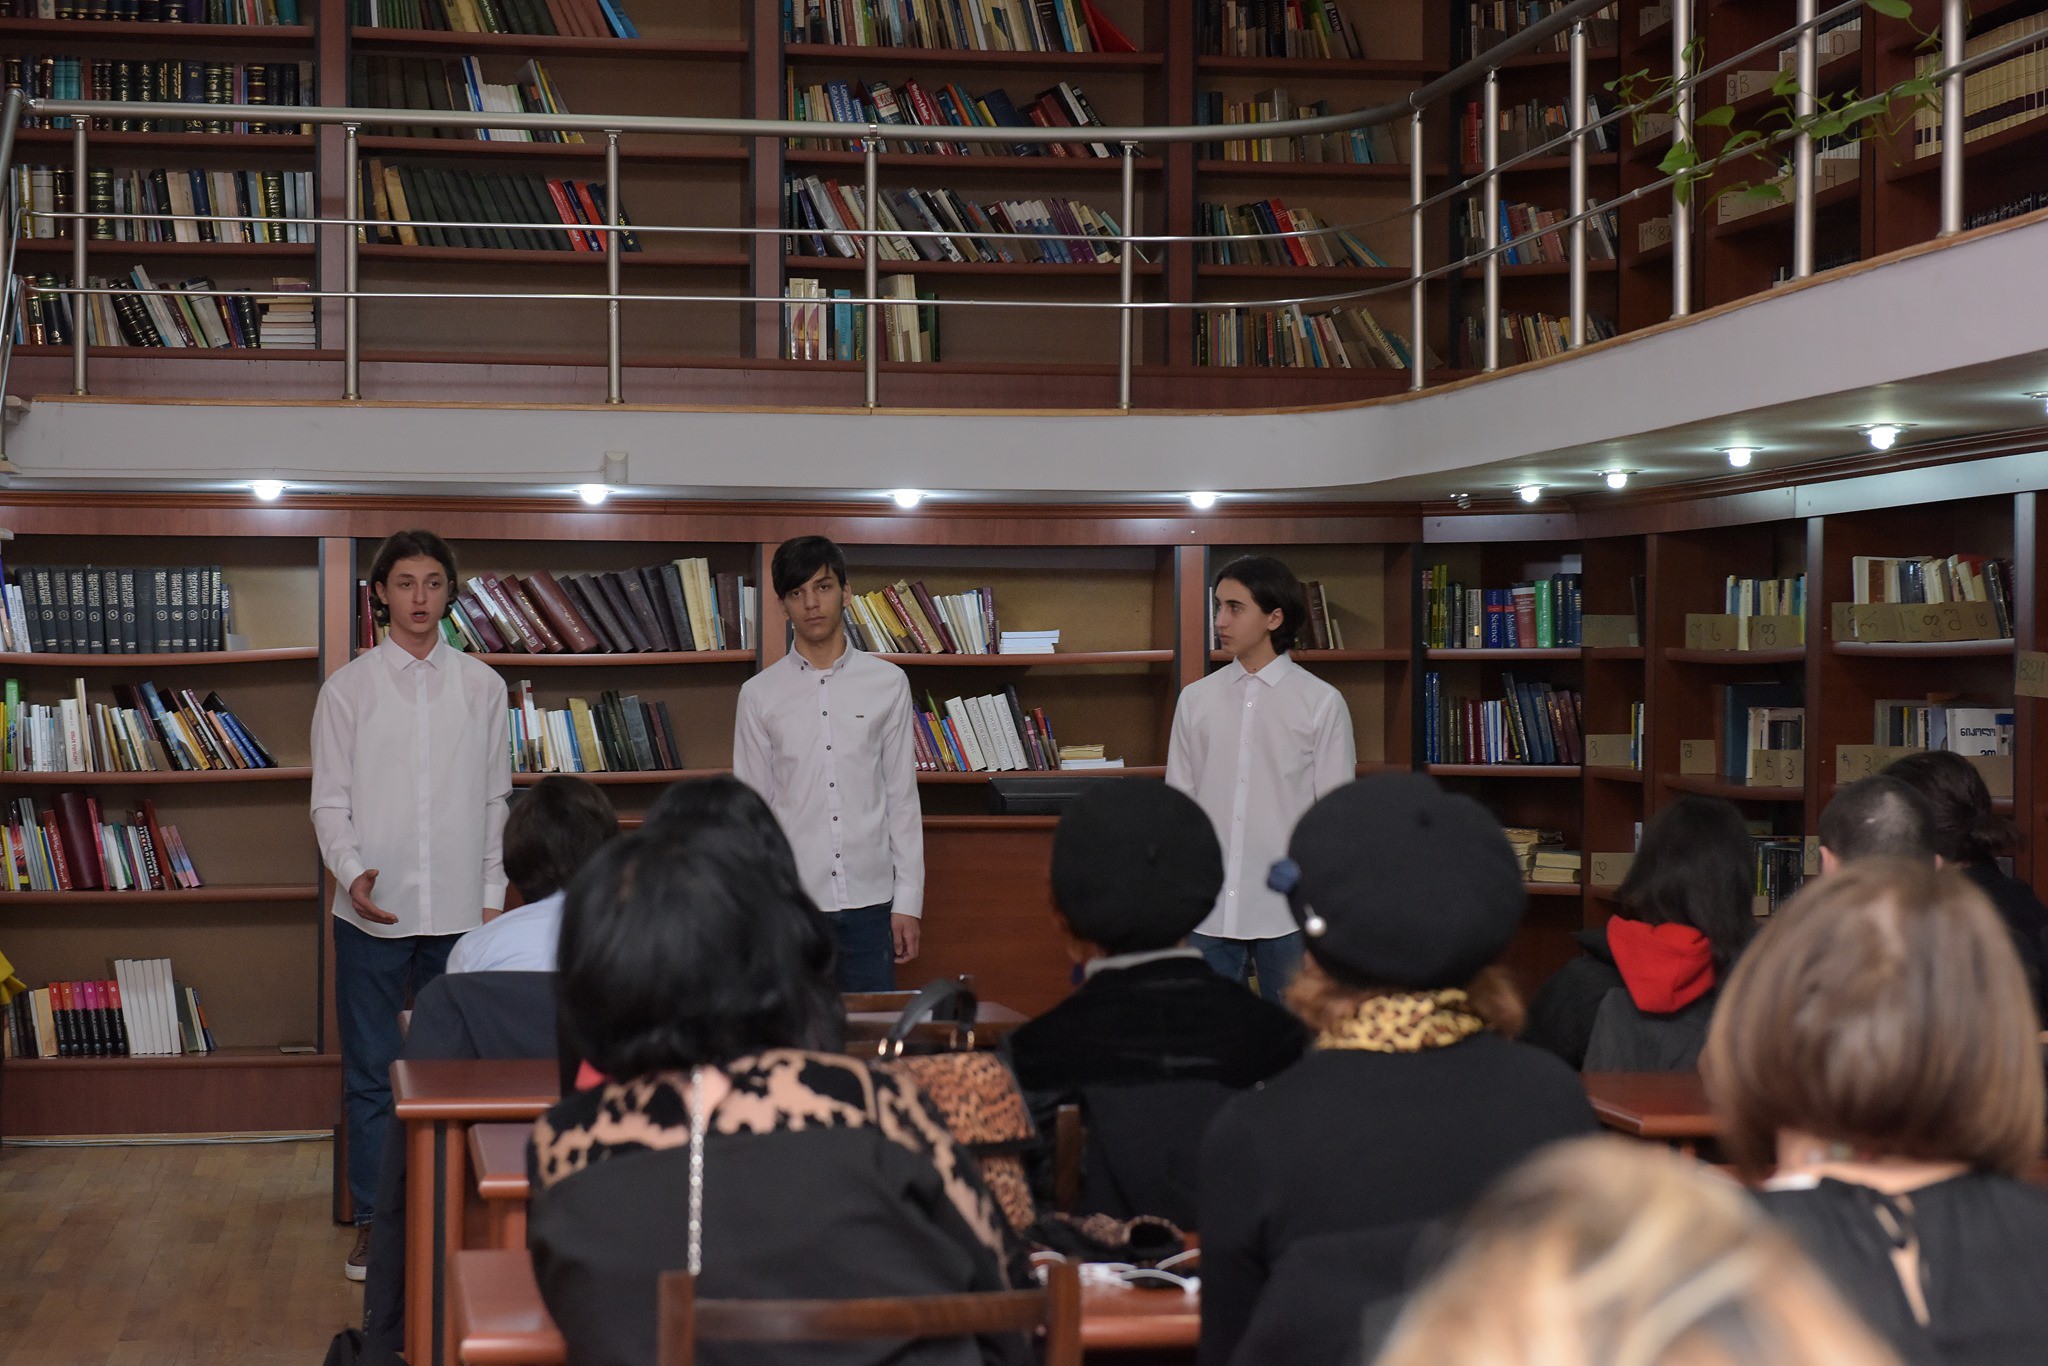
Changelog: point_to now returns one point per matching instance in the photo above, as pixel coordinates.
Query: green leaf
(1892, 9)
(1769, 192)
(1680, 157)
(1787, 83)
(1722, 117)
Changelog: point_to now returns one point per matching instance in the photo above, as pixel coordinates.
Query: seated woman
(733, 1142)
(1876, 1055)
(1414, 1095)
(1640, 998)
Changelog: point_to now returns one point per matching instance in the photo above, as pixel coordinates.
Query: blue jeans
(374, 979)
(867, 948)
(1274, 960)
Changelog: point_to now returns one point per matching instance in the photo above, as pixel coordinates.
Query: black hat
(1399, 883)
(1135, 865)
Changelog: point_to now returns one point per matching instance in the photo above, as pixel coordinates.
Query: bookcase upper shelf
(837, 55)
(296, 143)
(654, 777)
(956, 661)
(192, 659)
(96, 779)
(632, 150)
(615, 661)
(182, 35)
(1922, 649)
(1134, 771)
(365, 39)
(182, 896)
(1311, 68)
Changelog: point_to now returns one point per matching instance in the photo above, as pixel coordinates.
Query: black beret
(1135, 865)
(1399, 883)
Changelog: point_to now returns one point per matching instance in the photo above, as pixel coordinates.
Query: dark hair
(1696, 866)
(552, 830)
(1275, 589)
(797, 560)
(407, 545)
(1878, 816)
(1966, 830)
(687, 947)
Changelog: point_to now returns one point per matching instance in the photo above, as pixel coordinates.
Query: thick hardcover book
(483, 621)
(562, 614)
(622, 611)
(672, 753)
(947, 639)
(729, 610)
(657, 598)
(590, 596)
(264, 758)
(47, 634)
(124, 597)
(636, 730)
(212, 637)
(528, 603)
(95, 612)
(649, 624)
(79, 833)
(1022, 725)
(511, 614)
(67, 641)
(678, 606)
(172, 620)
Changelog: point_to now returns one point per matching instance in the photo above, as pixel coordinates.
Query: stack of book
(142, 1011)
(1531, 236)
(1531, 723)
(829, 213)
(1276, 235)
(1544, 614)
(907, 618)
(1376, 145)
(51, 76)
(1530, 336)
(618, 733)
(251, 13)
(171, 205)
(147, 730)
(66, 847)
(964, 25)
(542, 18)
(1935, 579)
(1528, 843)
(911, 106)
(434, 83)
(1558, 867)
(285, 320)
(1086, 757)
(678, 606)
(1780, 871)
(1028, 642)
(1339, 338)
(1259, 28)
(152, 315)
(415, 199)
(989, 734)
(92, 609)
(1531, 124)
(1920, 724)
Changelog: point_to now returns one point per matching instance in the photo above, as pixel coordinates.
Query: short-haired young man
(823, 734)
(411, 770)
(1876, 817)
(1256, 743)
(551, 831)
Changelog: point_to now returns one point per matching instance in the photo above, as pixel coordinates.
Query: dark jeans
(867, 948)
(373, 981)
(1275, 960)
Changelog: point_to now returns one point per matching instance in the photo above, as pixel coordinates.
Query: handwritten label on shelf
(1696, 758)
(1913, 623)
(2031, 679)
(1867, 761)
(1777, 768)
(1775, 633)
(1712, 631)
(1608, 632)
(1609, 751)
(1608, 870)
(1809, 862)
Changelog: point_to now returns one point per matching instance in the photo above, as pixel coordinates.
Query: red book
(72, 816)
(1525, 615)
(511, 613)
(938, 620)
(562, 614)
(112, 990)
(55, 842)
(66, 1021)
(1108, 37)
(154, 854)
(1052, 746)
(567, 214)
(366, 620)
(486, 628)
(909, 620)
(928, 114)
(528, 602)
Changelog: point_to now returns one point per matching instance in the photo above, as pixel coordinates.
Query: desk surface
(473, 1089)
(1667, 1105)
(501, 1321)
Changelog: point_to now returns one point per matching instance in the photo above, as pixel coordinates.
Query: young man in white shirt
(553, 829)
(1256, 743)
(823, 734)
(411, 770)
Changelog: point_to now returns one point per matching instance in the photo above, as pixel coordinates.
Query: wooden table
(499, 1319)
(1669, 1106)
(991, 1022)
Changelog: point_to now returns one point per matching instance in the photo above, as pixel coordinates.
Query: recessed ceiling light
(593, 494)
(1530, 492)
(1881, 435)
(1616, 479)
(907, 498)
(1463, 500)
(1202, 500)
(269, 490)
(1740, 456)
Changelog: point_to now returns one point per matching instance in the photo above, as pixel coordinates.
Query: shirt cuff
(351, 868)
(494, 896)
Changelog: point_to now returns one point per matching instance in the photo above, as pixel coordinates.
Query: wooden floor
(172, 1256)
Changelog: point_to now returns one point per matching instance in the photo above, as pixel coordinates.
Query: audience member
(1415, 1095)
(551, 831)
(1602, 1252)
(1878, 817)
(1877, 1050)
(1968, 835)
(732, 1142)
(1153, 1040)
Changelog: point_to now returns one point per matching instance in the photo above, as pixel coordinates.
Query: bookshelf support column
(1124, 320)
(1578, 204)
(1802, 147)
(81, 313)
(1955, 20)
(351, 337)
(1416, 194)
(614, 374)
(869, 194)
(1491, 141)
(1681, 132)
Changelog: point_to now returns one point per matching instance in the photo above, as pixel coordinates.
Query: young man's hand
(359, 898)
(905, 928)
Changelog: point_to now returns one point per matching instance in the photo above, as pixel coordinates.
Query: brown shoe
(357, 1266)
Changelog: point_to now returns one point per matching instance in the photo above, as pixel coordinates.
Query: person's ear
(1828, 861)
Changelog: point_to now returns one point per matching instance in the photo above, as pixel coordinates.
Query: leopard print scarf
(1405, 1022)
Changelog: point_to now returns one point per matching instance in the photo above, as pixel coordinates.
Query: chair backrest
(1069, 1139)
(686, 1320)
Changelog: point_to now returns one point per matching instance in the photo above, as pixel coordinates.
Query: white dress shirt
(1256, 750)
(411, 769)
(517, 941)
(830, 751)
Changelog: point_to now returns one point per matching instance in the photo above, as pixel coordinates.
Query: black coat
(1562, 1014)
(1627, 1038)
(2027, 920)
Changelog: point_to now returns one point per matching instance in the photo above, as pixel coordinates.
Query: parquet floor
(173, 1256)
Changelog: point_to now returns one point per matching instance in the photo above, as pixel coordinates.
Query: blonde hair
(1605, 1252)
(1322, 1002)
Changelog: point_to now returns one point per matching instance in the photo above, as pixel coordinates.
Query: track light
(268, 490)
(1463, 500)
(1202, 500)
(1616, 479)
(593, 494)
(908, 498)
(1740, 456)
(1882, 435)
(1530, 492)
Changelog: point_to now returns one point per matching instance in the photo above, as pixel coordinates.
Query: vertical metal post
(1490, 141)
(1579, 198)
(351, 266)
(1802, 147)
(1125, 317)
(81, 314)
(869, 318)
(1954, 27)
(1681, 132)
(1416, 194)
(614, 365)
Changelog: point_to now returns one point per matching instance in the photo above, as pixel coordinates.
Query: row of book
(1324, 630)
(907, 618)
(2002, 95)
(948, 106)
(962, 25)
(170, 205)
(822, 324)
(1530, 236)
(618, 733)
(419, 201)
(2014, 207)
(67, 847)
(1495, 21)
(457, 85)
(829, 211)
(146, 730)
(1767, 730)
(1751, 597)
(142, 1011)
(1528, 843)
(1377, 145)
(1921, 724)
(1935, 579)
(987, 734)
(98, 609)
(1542, 614)
(1274, 235)
(248, 13)
(1338, 338)
(180, 313)
(1529, 336)
(678, 606)
(540, 18)
(1277, 28)
(55, 76)
(1780, 871)
(1530, 723)
(1533, 123)
(1835, 39)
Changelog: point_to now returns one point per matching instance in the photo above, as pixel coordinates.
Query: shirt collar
(805, 666)
(400, 659)
(1116, 961)
(1273, 675)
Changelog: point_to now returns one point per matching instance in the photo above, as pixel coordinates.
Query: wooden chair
(1069, 1141)
(685, 1320)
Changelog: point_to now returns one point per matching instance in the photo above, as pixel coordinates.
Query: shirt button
(828, 747)
(835, 855)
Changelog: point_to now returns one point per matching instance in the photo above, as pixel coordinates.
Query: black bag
(351, 1348)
